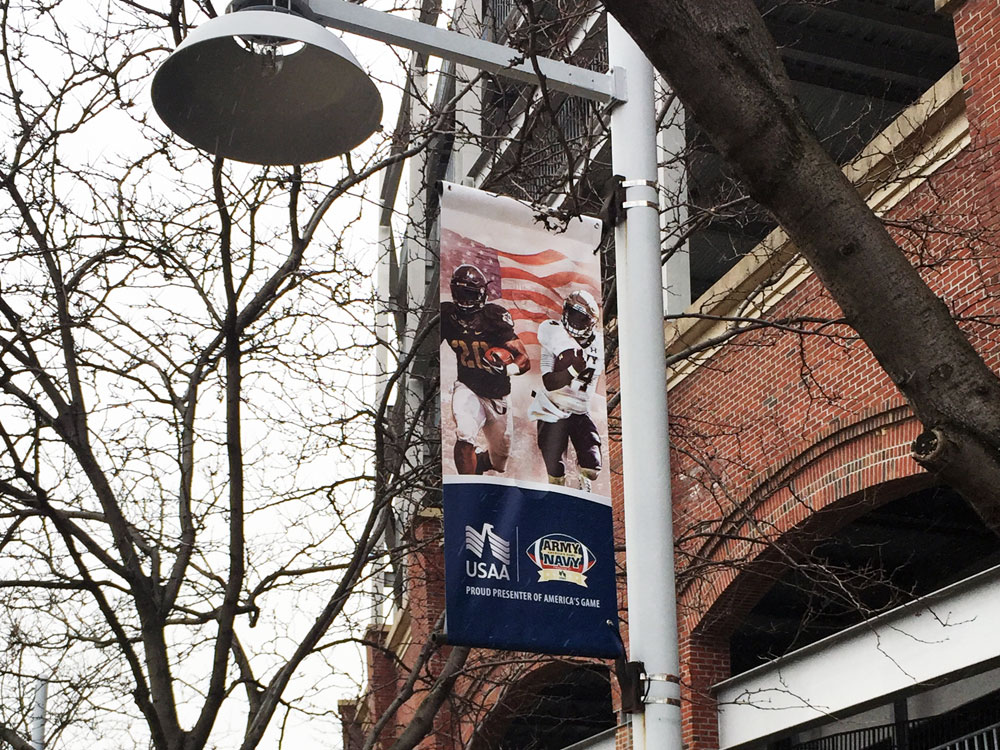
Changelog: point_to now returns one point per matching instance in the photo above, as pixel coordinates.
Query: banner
(529, 553)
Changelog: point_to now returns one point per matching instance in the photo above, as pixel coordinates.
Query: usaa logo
(487, 542)
(561, 558)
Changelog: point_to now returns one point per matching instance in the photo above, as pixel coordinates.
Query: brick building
(832, 595)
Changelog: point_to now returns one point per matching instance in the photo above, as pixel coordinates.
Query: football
(498, 358)
(570, 357)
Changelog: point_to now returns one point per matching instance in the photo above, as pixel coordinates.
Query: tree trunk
(423, 718)
(719, 58)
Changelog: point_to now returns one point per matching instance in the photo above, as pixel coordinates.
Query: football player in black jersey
(488, 352)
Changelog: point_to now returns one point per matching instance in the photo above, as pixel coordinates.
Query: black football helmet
(579, 315)
(468, 288)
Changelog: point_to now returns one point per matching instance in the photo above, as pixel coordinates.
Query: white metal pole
(652, 609)
(37, 718)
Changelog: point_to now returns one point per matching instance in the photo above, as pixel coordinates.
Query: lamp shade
(304, 102)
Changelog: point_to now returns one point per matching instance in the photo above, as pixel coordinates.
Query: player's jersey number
(471, 354)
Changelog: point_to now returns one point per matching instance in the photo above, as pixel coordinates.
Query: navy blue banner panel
(529, 570)
(527, 499)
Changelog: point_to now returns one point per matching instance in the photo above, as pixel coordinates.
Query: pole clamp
(640, 204)
(640, 183)
(663, 677)
(647, 203)
(663, 701)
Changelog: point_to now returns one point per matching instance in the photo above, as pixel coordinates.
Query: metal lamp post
(267, 84)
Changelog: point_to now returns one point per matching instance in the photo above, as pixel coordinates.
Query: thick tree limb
(720, 60)
(404, 693)
(958, 457)
(13, 739)
(423, 719)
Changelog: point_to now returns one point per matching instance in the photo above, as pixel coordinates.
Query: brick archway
(807, 493)
(556, 695)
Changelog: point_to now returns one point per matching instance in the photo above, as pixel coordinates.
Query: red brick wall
(704, 661)
(383, 681)
(977, 28)
(425, 575)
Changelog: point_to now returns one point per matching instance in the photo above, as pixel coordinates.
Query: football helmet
(579, 315)
(468, 288)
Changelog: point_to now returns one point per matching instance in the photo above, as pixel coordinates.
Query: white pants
(490, 416)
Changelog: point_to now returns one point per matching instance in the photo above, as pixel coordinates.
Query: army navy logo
(478, 542)
(561, 558)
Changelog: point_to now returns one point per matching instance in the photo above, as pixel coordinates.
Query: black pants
(554, 438)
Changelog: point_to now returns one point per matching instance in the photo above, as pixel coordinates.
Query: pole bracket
(612, 200)
(645, 203)
(614, 205)
(633, 681)
(630, 676)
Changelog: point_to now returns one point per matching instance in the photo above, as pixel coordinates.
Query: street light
(266, 83)
(263, 87)
(249, 115)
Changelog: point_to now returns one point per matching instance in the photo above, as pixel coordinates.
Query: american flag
(531, 284)
(534, 286)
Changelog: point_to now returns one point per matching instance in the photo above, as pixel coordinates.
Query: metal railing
(984, 739)
(546, 160)
(922, 734)
(868, 738)
(495, 14)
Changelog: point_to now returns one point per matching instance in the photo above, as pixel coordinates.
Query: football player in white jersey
(571, 363)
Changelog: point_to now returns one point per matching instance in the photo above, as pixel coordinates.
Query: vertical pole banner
(529, 553)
